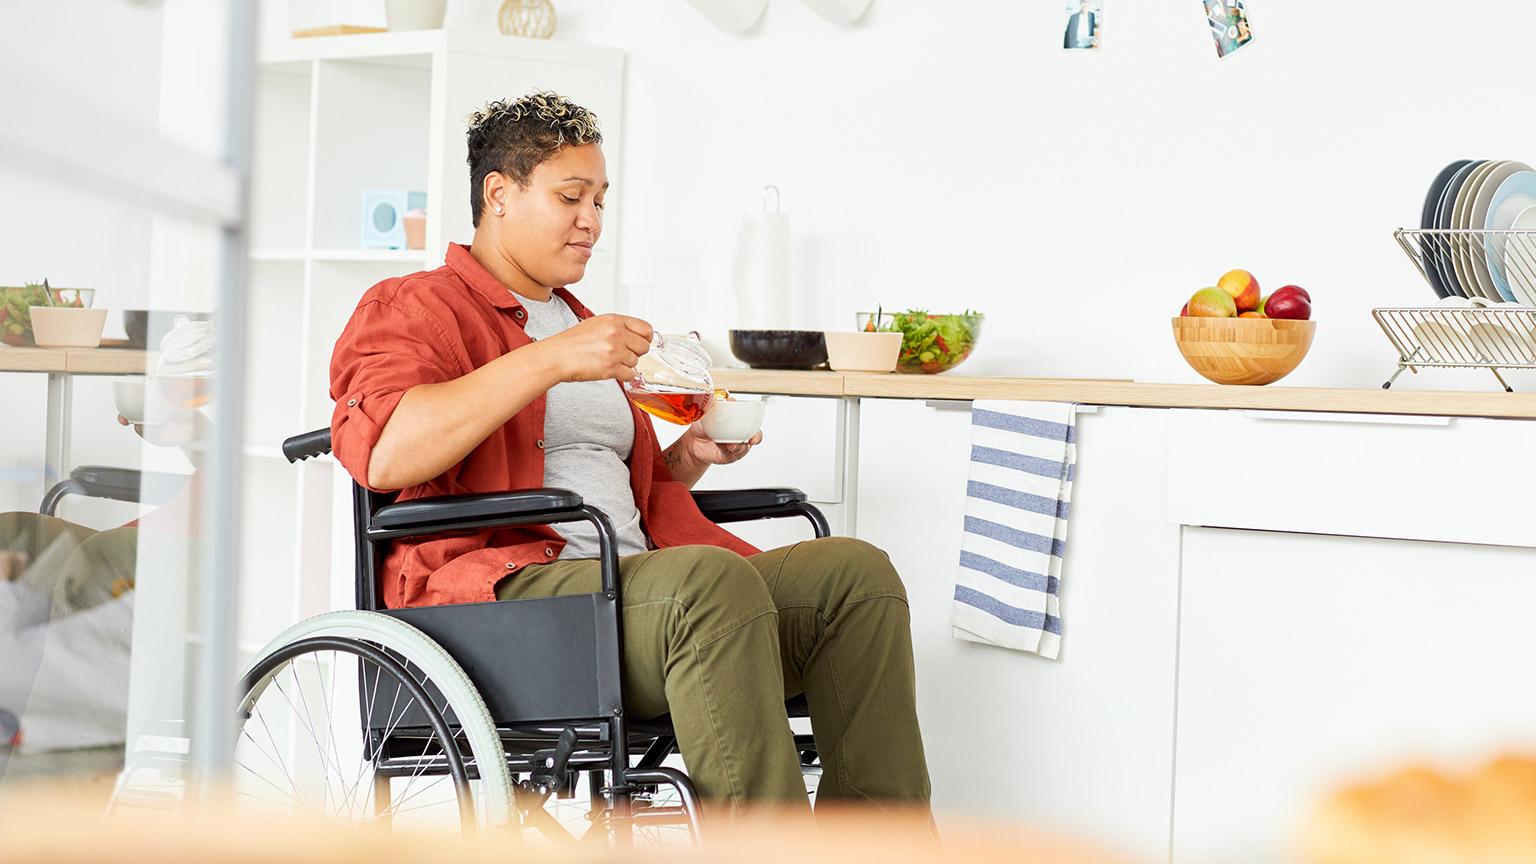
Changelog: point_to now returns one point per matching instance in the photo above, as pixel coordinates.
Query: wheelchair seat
(437, 697)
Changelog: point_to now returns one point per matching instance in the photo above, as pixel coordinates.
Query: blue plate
(1442, 247)
(1517, 192)
(1427, 217)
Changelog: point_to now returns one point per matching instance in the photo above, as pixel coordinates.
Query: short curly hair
(516, 137)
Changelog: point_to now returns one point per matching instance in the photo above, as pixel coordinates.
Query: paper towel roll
(761, 275)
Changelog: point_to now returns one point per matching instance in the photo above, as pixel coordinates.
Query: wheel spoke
(274, 757)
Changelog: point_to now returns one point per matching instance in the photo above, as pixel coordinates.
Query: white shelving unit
(336, 116)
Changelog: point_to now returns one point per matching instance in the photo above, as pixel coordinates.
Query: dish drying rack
(1464, 337)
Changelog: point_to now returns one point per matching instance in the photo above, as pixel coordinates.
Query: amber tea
(673, 404)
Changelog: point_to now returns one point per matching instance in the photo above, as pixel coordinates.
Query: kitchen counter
(1450, 403)
(80, 361)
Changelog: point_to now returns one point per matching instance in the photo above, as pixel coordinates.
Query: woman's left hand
(693, 453)
(710, 453)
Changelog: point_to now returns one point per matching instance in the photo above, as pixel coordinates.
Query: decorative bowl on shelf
(779, 349)
(930, 343)
(1243, 350)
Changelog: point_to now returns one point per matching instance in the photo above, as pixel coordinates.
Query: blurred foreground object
(40, 824)
(1420, 815)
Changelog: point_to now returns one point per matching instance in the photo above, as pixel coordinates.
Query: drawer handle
(965, 405)
(1328, 417)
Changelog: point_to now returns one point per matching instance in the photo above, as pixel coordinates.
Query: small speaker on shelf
(383, 212)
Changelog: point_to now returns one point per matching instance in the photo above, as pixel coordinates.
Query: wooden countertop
(78, 361)
(1101, 391)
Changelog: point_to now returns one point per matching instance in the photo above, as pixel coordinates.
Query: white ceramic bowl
(733, 421)
(128, 396)
(863, 352)
(67, 327)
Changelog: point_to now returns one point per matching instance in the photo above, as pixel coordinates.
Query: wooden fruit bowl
(1243, 350)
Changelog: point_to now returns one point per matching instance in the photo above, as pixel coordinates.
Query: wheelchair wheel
(359, 718)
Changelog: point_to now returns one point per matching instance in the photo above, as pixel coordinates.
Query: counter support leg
(56, 433)
(848, 463)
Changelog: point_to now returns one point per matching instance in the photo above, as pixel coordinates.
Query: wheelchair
(494, 712)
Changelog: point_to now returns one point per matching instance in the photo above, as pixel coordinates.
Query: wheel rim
(302, 749)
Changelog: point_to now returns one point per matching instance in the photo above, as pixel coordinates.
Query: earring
(498, 211)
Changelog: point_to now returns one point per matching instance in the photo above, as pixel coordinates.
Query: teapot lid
(684, 355)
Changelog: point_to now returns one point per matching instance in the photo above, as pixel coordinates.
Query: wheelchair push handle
(300, 447)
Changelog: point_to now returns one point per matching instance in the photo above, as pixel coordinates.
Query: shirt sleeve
(387, 348)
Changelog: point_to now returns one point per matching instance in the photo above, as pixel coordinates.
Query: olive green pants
(720, 641)
(77, 566)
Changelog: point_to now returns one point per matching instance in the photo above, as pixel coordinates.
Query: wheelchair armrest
(475, 512)
(740, 505)
(300, 447)
(119, 484)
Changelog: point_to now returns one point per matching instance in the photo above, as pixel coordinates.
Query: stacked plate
(1475, 195)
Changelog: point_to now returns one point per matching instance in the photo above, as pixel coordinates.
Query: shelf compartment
(371, 133)
(282, 156)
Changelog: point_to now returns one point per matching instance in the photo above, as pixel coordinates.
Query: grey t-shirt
(588, 434)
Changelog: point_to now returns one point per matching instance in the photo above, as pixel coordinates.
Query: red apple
(1212, 303)
(1183, 313)
(1299, 290)
(1243, 287)
(1289, 302)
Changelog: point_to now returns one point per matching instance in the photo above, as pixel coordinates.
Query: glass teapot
(672, 379)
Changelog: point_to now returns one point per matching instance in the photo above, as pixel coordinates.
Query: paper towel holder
(775, 190)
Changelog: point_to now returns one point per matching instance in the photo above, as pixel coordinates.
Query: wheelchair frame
(557, 711)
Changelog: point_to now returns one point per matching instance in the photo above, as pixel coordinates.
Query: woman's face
(550, 227)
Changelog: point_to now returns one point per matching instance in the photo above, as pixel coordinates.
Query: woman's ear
(495, 192)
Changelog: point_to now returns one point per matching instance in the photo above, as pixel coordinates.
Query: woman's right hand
(601, 347)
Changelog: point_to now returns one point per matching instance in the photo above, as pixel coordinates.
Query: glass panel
(112, 399)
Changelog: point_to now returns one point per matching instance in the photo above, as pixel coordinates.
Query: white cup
(733, 421)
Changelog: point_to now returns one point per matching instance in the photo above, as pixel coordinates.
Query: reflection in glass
(128, 202)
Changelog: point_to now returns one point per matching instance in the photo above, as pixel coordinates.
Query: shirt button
(541, 443)
(351, 402)
(518, 314)
(511, 566)
(548, 552)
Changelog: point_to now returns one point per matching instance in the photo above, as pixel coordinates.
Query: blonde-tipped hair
(516, 137)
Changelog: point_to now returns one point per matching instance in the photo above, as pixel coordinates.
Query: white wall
(951, 154)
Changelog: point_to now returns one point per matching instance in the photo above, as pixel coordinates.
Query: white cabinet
(1309, 661)
(1461, 479)
(336, 116)
(1084, 743)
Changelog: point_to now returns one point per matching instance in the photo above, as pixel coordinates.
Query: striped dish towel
(1020, 488)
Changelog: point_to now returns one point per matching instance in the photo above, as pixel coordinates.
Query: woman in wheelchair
(487, 374)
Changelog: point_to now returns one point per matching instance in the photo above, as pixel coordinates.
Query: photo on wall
(1229, 25)
(1085, 25)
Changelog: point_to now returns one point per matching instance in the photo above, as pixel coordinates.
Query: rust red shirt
(440, 325)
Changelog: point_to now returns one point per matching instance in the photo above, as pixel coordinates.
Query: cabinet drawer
(1456, 479)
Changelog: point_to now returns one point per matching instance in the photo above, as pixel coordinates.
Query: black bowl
(146, 327)
(780, 349)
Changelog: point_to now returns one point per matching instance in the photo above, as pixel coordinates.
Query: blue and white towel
(1020, 488)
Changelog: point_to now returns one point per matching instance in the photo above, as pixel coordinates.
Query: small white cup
(733, 421)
